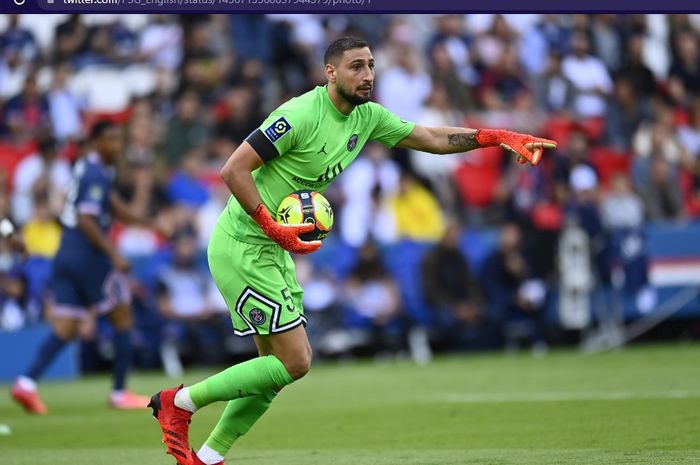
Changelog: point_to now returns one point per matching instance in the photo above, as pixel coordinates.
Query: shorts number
(288, 297)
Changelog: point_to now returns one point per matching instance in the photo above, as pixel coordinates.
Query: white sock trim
(184, 401)
(28, 384)
(209, 456)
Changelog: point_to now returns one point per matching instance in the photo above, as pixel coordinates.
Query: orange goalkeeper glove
(528, 148)
(287, 236)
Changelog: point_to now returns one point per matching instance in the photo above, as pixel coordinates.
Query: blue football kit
(83, 276)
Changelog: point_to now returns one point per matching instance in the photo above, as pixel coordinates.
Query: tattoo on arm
(463, 140)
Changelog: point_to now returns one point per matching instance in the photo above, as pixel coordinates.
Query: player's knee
(298, 365)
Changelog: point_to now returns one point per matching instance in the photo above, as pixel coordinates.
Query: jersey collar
(337, 115)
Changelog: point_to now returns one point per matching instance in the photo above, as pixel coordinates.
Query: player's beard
(352, 98)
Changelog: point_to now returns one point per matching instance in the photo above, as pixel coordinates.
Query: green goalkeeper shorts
(258, 283)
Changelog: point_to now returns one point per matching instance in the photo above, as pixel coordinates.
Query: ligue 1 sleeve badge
(257, 316)
(279, 128)
(352, 142)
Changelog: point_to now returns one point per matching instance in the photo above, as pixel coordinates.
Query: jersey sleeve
(389, 128)
(92, 193)
(278, 134)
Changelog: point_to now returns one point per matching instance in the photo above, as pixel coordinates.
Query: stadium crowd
(620, 93)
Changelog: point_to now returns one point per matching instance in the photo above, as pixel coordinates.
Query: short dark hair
(100, 127)
(339, 46)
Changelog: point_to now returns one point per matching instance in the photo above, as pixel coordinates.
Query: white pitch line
(478, 398)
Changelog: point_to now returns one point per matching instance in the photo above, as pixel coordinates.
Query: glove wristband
(262, 217)
(491, 137)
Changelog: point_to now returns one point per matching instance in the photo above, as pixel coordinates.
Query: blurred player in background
(304, 144)
(89, 276)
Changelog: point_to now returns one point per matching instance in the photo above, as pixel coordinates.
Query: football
(307, 206)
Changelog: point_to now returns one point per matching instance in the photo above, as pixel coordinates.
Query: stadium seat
(11, 155)
(690, 197)
(403, 261)
(608, 162)
(38, 271)
(477, 178)
(140, 79)
(559, 128)
(104, 88)
(477, 245)
(593, 127)
(335, 257)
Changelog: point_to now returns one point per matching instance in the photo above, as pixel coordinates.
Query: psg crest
(257, 316)
(352, 142)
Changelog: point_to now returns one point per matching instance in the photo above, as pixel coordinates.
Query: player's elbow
(227, 173)
(241, 163)
(233, 168)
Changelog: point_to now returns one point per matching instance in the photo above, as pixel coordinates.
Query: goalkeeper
(304, 144)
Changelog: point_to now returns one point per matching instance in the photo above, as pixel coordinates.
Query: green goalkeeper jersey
(305, 144)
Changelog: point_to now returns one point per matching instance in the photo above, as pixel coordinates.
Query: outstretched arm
(440, 140)
(443, 140)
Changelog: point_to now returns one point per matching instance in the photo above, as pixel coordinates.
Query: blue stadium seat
(335, 257)
(477, 245)
(38, 272)
(403, 260)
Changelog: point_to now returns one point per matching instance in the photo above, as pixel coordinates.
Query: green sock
(238, 417)
(245, 379)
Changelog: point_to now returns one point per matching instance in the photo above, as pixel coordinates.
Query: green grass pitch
(640, 405)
